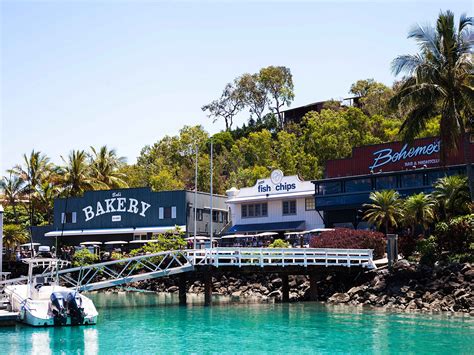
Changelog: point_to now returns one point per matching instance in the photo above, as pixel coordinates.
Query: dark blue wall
(127, 218)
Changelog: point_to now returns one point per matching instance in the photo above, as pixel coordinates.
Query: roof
(268, 227)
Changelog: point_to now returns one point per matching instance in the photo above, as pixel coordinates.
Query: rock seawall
(407, 287)
(410, 287)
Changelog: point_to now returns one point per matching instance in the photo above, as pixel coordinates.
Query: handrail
(176, 261)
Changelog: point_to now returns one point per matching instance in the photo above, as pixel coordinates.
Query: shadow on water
(132, 322)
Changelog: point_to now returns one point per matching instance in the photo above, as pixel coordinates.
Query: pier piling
(285, 288)
(182, 289)
(313, 286)
(207, 287)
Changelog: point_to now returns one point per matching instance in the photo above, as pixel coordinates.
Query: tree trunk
(468, 161)
(15, 213)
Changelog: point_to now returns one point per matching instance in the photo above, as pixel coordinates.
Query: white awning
(141, 230)
(30, 244)
(198, 237)
(116, 242)
(91, 243)
(143, 241)
(164, 229)
(216, 209)
(265, 234)
(301, 194)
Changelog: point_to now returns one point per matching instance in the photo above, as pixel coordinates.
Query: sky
(76, 74)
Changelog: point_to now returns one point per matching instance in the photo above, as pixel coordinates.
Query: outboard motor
(74, 307)
(58, 308)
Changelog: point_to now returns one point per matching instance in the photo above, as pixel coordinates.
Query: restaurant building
(406, 168)
(134, 214)
(276, 204)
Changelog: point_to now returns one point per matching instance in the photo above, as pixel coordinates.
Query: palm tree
(418, 210)
(439, 80)
(36, 167)
(77, 174)
(385, 209)
(105, 165)
(13, 235)
(452, 195)
(12, 189)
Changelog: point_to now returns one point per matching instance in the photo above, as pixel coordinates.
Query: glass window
(167, 212)
(357, 185)
(310, 204)
(386, 182)
(328, 188)
(433, 176)
(254, 210)
(244, 211)
(69, 217)
(289, 207)
(215, 216)
(199, 214)
(251, 210)
(160, 213)
(173, 211)
(412, 180)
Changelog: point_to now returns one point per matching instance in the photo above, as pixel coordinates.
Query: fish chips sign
(408, 156)
(116, 204)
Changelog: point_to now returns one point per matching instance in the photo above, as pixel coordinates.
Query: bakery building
(134, 214)
(276, 204)
(406, 168)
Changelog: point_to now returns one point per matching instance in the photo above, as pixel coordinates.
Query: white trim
(114, 231)
(272, 197)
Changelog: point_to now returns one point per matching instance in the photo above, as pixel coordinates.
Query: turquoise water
(136, 323)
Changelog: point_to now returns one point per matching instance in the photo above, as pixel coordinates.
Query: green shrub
(84, 257)
(428, 249)
(279, 243)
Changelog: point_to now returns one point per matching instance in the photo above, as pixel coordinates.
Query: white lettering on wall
(116, 205)
(385, 156)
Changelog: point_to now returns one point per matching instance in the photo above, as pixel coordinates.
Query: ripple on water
(149, 323)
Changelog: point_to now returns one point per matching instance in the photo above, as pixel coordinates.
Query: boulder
(339, 298)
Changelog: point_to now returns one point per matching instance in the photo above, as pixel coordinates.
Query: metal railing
(262, 257)
(143, 267)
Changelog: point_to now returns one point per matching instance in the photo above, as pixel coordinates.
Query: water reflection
(150, 323)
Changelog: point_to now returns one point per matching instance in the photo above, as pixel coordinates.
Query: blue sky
(76, 74)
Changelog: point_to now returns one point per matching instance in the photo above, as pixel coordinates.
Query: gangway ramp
(167, 263)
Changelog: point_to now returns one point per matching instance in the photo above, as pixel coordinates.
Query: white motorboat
(43, 302)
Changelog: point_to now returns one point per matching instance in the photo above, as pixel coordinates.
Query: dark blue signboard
(121, 208)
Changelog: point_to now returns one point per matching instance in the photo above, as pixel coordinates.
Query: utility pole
(212, 216)
(195, 197)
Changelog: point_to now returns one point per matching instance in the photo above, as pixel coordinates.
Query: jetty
(204, 263)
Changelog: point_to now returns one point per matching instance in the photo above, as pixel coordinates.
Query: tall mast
(212, 217)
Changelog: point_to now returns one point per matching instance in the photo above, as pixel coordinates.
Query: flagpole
(212, 217)
(195, 197)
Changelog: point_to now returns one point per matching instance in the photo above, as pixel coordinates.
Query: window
(328, 188)
(199, 214)
(215, 216)
(412, 180)
(161, 213)
(71, 217)
(173, 211)
(386, 182)
(167, 212)
(357, 185)
(140, 237)
(310, 204)
(254, 210)
(224, 217)
(221, 217)
(289, 207)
